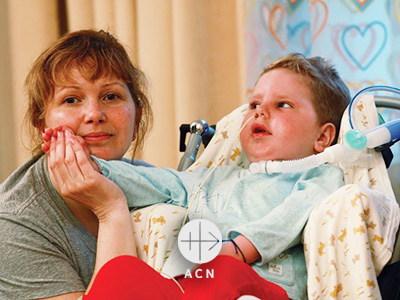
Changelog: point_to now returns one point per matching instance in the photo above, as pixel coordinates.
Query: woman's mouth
(96, 137)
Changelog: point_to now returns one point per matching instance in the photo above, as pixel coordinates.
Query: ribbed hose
(331, 154)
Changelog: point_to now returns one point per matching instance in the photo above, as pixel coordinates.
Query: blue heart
(293, 31)
(294, 6)
(361, 7)
(362, 33)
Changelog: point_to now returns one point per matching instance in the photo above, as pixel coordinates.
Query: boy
(294, 112)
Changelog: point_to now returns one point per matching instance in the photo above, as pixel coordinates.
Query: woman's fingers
(46, 137)
(82, 142)
(77, 157)
(70, 158)
(52, 164)
(47, 134)
(52, 153)
(66, 158)
(61, 172)
(60, 150)
(45, 148)
(82, 157)
(50, 132)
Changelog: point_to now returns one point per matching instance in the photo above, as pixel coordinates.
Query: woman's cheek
(56, 118)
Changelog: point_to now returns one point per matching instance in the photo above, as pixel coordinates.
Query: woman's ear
(326, 137)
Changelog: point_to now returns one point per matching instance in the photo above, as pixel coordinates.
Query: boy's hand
(248, 252)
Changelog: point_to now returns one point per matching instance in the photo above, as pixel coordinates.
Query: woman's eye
(111, 97)
(284, 104)
(70, 100)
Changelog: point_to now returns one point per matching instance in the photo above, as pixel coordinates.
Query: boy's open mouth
(258, 129)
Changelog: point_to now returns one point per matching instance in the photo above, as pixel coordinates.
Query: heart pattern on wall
(356, 35)
(294, 4)
(319, 9)
(275, 17)
(364, 44)
(361, 5)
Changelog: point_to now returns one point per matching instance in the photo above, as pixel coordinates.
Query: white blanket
(350, 236)
(348, 239)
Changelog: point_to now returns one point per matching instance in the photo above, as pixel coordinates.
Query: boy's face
(285, 125)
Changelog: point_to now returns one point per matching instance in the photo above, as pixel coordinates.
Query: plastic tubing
(376, 88)
(382, 134)
(379, 135)
(334, 153)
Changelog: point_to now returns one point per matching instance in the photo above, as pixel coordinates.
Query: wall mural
(360, 37)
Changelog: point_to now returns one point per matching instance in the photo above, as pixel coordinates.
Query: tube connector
(373, 137)
(354, 139)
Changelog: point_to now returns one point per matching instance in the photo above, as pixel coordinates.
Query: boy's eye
(70, 100)
(284, 104)
(111, 97)
(254, 105)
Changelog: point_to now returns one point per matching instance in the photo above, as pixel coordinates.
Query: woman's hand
(49, 132)
(75, 178)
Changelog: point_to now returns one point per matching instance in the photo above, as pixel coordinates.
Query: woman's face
(102, 112)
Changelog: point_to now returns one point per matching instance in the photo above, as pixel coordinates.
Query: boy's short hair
(330, 95)
(95, 54)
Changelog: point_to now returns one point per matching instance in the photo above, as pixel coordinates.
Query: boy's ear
(326, 137)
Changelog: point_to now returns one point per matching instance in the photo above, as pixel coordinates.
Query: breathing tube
(354, 142)
(377, 136)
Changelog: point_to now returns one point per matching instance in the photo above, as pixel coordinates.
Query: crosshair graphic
(200, 241)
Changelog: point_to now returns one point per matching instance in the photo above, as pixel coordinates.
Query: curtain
(193, 52)
(26, 28)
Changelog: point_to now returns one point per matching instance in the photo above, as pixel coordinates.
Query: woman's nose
(94, 113)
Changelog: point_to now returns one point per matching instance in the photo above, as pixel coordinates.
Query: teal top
(269, 210)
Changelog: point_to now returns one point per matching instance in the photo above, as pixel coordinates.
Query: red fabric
(127, 277)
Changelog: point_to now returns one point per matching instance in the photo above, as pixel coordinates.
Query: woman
(60, 224)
